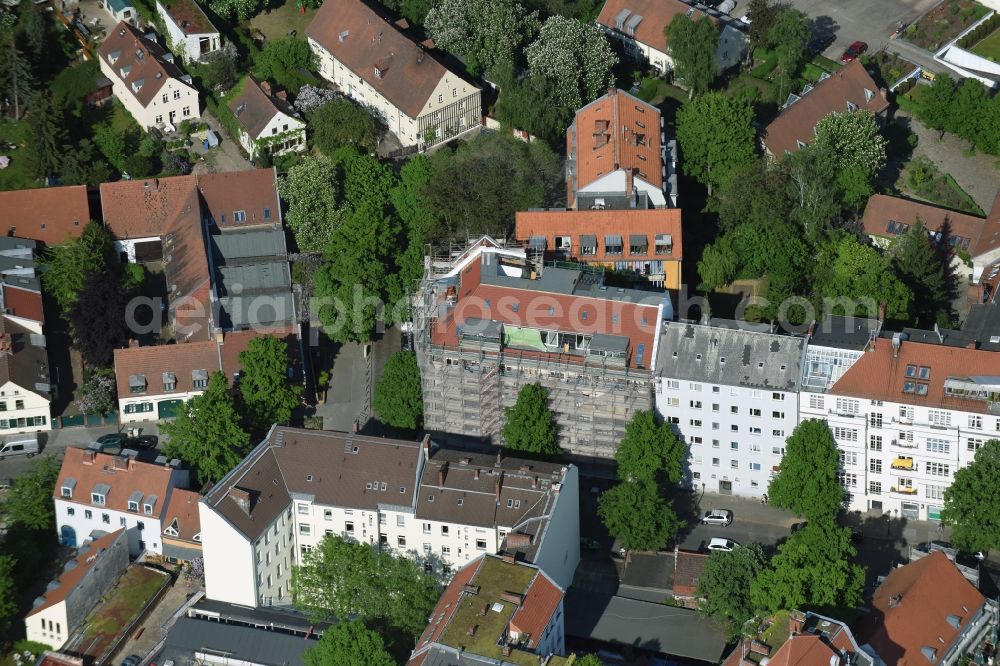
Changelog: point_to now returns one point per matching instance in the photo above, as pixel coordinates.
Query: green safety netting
(524, 338)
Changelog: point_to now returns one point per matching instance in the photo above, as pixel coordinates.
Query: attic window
(911, 370)
(309, 477)
(267, 213)
(929, 653)
(113, 56)
(197, 537)
(343, 35)
(402, 490)
(430, 498)
(199, 378)
(378, 73)
(137, 383)
(925, 372)
(239, 216)
(149, 505)
(169, 381)
(851, 106)
(67, 487)
(137, 85)
(869, 95)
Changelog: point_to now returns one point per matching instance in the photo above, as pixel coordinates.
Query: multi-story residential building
(812, 640)
(731, 394)
(154, 382)
(638, 25)
(618, 156)
(101, 492)
(268, 124)
(644, 243)
(48, 215)
(372, 61)
(190, 33)
(926, 612)
(495, 611)
(182, 529)
(491, 321)
(298, 486)
(887, 218)
(906, 415)
(145, 78)
(850, 88)
(85, 579)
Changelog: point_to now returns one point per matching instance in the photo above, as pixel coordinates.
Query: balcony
(904, 490)
(905, 464)
(904, 444)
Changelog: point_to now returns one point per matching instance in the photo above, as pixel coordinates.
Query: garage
(168, 409)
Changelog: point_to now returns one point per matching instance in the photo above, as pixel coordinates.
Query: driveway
(223, 158)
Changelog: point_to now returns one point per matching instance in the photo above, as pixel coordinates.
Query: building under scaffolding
(491, 319)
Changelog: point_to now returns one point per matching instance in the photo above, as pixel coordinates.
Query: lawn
(941, 24)
(280, 21)
(777, 633)
(15, 177)
(655, 90)
(119, 609)
(989, 47)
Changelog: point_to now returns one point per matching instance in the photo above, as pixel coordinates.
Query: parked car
(141, 442)
(19, 445)
(111, 440)
(853, 52)
(746, 18)
(725, 545)
(717, 517)
(132, 660)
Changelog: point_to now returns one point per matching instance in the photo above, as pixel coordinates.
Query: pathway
(919, 56)
(976, 174)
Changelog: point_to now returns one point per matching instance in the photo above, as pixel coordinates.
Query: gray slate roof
(258, 646)
(571, 282)
(729, 356)
(843, 332)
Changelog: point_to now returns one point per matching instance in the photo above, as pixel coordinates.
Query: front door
(167, 409)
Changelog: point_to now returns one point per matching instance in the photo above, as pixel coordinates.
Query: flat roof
(237, 643)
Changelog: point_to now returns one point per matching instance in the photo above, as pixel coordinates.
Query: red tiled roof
(883, 209)
(600, 223)
(22, 303)
(689, 566)
(879, 374)
(255, 192)
(616, 131)
(188, 16)
(147, 478)
(145, 60)
(796, 122)
(539, 604)
(656, 16)
(235, 342)
(803, 650)
(446, 606)
(183, 508)
(990, 238)
(70, 578)
(152, 362)
(911, 609)
(46, 214)
(363, 40)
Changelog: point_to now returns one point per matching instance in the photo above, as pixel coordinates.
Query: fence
(80, 420)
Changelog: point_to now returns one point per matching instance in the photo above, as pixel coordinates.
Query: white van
(19, 445)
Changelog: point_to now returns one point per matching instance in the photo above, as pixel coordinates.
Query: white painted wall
(84, 518)
(174, 97)
(282, 125)
(20, 403)
(230, 574)
(729, 53)
(187, 46)
(49, 626)
(142, 402)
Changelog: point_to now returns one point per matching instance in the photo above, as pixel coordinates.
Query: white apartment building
(443, 507)
(731, 394)
(103, 492)
(906, 415)
(374, 63)
(189, 31)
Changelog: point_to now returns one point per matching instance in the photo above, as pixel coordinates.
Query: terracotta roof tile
(23, 303)
(145, 62)
(540, 603)
(803, 650)
(255, 192)
(360, 38)
(446, 607)
(181, 360)
(795, 123)
(46, 214)
(880, 374)
(912, 607)
(601, 223)
(616, 131)
(148, 478)
(183, 508)
(28, 363)
(883, 210)
(656, 15)
(70, 579)
(689, 567)
(254, 109)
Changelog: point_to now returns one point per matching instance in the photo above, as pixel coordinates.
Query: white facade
(189, 45)
(174, 102)
(730, 51)
(147, 407)
(121, 11)
(49, 626)
(283, 134)
(22, 410)
(84, 517)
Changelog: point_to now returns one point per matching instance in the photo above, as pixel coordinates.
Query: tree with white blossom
(484, 32)
(854, 137)
(575, 58)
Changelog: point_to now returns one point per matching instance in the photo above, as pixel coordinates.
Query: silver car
(717, 517)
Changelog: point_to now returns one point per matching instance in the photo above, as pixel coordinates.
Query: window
(177, 94)
(444, 530)
(875, 466)
(715, 406)
(875, 419)
(165, 100)
(816, 401)
(327, 514)
(754, 412)
(427, 549)
(755, 430)
(303, 509)
(440, 99)
(715, 462)
(754, 467)
(349, 528)
(133, 506)
(875, 442)
(88, 514)
(695, 387)
(715, 443)
(777, 433)
(427, 528)
(673, 384)
(938, 446)
(186, 111)
(847, 479)
(401, 541)
(400, 521)
(939, 417)
(976, 422)
(239, 216)
(924, 372)
(973, 444)
(911, 370)
(446, 550)
(159, 119)
(847, 406)
(695, 423)
(777, 415)
(98, 499)
(305, 529)
(845, 434)
(139, 525)
(937, 469)
(480, 544)
(695, 404)
(934, 492)
(777, 396)
(905, 413)
(874, 487)
(849, 458)
(673, 402)
(70, 511)
(734, 410)
(734, 464)
(734, 446)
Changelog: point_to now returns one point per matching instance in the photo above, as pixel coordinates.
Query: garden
(887, 68)
(921, 179)
(989, 46)
(943, 23)
(120, 608)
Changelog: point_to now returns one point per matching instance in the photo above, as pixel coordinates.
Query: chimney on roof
(973, 344)
(265, 86)
(796, 621)
(133, 343)
(812, 330)
(120, 462)
(897, 342)
(6, 344)
(426, 447)
(442, 474)
(534, 482)
(477, 474)
(241, 497)
(629, 181)
(282, 95)
(428, 44)
(89, 455)
(507, 557)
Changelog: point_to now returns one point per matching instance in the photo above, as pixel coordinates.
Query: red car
(853, 51)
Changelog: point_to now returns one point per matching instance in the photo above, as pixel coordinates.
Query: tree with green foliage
(414, 11)
(966, 116)
(367, 181)
(575, 57)
(83, 164)
(113, 143)
(268, 396)
(343, 578)
(242, 10)
(311, 190)
(31, 28)
(807, 483)
(398, 397)
(16, 78)
(206, 434)
(854, 139)
(863, 276)
(719, 264)
(421, 222)
(692, 45)
(789, 36)
(67, 264)
(813, 189)
(815, 566)
(589, 660)
(636, 513)
(278, 56)
(755, 192)
(524, 105)
(29, 501)
(221, 67)
(348, 643)
(8, 592)
(529, 425)
(972, 501)
(927, 272)
(97, 316)
(936, 102)
(98, 395)
(763, 16)
(484, 32)
(47, 137)
(716, 136)
(650, 451)
(725, 583)
(477, 187)
(345, 122)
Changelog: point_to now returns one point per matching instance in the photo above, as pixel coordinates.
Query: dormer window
(137, 85)
(149, 505)
(67, 488)
(197, 537)
(869, 95)
(113, 56)
(199, 378)
(134, 500)
(169, 381)
(125, 70)
(172, 529)
(99, 495)
(239, 216)
(137, 383)
(378, 73)
(851, 106)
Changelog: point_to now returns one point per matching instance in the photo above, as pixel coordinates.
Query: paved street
(55, 442)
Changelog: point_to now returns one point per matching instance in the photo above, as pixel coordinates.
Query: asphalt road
(740, 531)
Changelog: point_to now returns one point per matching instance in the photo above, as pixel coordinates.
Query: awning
(523, 338)
(588, 240)
(664, 239)
(536, 242)
(613, 240)
(902, 463)
(638, 240)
